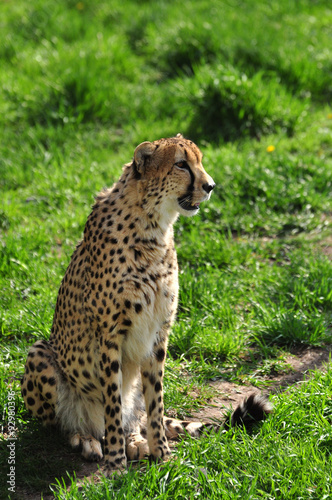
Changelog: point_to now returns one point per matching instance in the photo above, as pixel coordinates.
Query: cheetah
(100, 375)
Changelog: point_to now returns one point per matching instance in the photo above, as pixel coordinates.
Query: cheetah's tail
(252, 409)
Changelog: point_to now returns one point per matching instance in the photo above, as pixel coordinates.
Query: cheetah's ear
(142, 152)
(179, 136)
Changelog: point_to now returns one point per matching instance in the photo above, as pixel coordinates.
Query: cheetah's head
(173, 176)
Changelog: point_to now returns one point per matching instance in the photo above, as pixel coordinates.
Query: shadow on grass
(41, 455)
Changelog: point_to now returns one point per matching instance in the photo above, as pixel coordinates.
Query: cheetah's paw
(89, 446)
(137, 447)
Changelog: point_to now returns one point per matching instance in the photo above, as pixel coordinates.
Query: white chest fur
(159, 300)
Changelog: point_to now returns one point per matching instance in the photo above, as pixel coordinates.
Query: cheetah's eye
(182, 165)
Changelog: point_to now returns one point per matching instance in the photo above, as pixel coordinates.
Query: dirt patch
(326, 246)
(230, 394)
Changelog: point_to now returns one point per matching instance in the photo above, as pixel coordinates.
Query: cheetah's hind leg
(49, 397)
(40, 381)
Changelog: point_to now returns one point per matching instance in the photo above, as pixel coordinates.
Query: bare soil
(230, 395)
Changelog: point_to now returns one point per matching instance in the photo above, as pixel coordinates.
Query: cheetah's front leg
(111, 382)
(152, 376)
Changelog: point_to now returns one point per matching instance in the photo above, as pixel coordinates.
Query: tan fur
(115, 307)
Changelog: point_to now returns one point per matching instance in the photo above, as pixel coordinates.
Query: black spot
(111, 345)
(152, 407)
(137, 254)
(157, 387)
(30, 386)
(30, 401)
(115, 366)
(138, 307)
(42, 366)
(160, 354)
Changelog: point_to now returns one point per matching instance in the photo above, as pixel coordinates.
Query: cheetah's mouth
(186, 203)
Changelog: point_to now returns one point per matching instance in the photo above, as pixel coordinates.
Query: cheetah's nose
(208, 187)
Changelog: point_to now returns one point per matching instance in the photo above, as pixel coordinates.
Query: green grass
(81, 85)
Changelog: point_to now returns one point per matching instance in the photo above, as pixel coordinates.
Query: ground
(300, 363)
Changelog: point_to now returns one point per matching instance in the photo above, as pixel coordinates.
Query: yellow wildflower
(269, 149)
(329, 116)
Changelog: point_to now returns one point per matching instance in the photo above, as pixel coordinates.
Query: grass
(82, 84)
